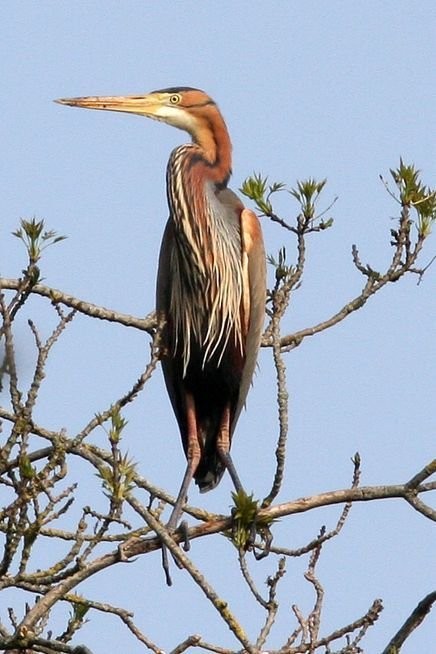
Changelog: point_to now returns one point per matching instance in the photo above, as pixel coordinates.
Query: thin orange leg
(223, 448)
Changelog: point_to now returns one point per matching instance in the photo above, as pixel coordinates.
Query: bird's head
(183, 107)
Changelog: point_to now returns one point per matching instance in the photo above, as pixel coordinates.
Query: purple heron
(210, 285)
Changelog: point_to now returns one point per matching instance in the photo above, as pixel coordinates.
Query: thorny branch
(32, 475)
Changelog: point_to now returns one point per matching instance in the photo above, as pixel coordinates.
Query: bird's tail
(211, 468)
(209, 472)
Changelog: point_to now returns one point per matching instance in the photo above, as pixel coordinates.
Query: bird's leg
(193, 457)
(223, 448)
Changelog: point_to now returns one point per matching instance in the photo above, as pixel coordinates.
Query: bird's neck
(213, 149)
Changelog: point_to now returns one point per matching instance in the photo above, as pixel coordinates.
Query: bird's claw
(123, 555)
(183, 530)
(267, 539)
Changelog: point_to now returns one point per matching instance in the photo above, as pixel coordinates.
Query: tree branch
(413, 621)
(147, 324)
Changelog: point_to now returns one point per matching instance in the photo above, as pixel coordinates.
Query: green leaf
(254, 187)
(80, 610)
(413, 193)
(34, 238)
(27, 471)
(246, 521)
(307, 193)
(118, 423)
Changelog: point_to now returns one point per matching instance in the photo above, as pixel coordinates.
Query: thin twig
(272, 605)
(325, 536)
(128, 397)
(249, 579)
(10, 357)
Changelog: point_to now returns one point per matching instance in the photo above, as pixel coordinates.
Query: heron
(211, 282)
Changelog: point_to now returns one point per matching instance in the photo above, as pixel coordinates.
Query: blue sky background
(326, 89)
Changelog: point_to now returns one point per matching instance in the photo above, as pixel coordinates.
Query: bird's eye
(175, 99)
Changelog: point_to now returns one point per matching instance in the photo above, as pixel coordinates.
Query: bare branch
(189, 642)
(249, 579)
(282, 401)
(147, 324)
(125, 616)
(10, 357)
(272, 605)
(413, 621)
(220, 605)
(422, 475)
(325, 536)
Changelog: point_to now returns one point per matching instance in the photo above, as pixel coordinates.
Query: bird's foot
(125, 549)
(183, 530)
(266, 539)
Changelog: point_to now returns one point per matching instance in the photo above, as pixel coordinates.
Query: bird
(211, 282)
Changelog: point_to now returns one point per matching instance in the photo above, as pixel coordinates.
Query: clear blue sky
(327, 89)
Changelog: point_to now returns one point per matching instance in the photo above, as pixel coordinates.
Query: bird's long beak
(143, 105)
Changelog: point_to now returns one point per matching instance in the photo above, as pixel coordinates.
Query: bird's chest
(206, 259)
(206, 293)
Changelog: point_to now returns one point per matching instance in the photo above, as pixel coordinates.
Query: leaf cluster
(246, 520)
(282, 269)
(118, 477)
(32, 234)
(414, 194)
(306, 192)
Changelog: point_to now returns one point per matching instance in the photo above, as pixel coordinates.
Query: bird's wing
(163, 292)
(254, 298)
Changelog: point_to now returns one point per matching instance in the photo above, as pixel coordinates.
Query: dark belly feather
(214, 385)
